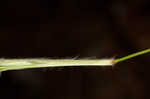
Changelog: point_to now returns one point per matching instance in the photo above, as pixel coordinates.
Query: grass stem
(131, 56)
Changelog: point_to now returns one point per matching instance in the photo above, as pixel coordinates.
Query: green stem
(131, 56)
(17, 64)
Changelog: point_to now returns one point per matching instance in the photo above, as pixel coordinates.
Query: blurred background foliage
(81, 29)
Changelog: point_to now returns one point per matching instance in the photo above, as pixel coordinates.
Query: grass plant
(18, 64)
